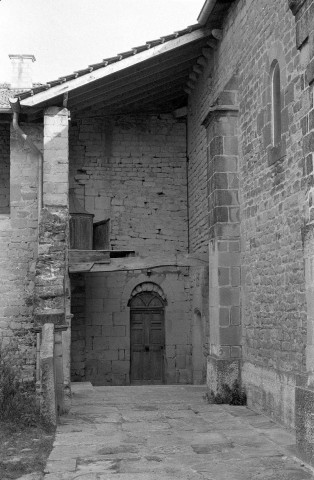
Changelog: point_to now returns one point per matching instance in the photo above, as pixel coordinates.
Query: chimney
(21, 71)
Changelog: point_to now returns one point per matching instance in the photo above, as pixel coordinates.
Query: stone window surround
(276, 102)
(276, 56)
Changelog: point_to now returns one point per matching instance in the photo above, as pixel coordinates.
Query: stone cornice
(219, 110)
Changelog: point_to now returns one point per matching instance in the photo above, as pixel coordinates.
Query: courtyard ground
(167, 433)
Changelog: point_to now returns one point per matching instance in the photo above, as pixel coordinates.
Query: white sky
(68, 35)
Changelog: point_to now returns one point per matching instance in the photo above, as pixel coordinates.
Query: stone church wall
(272, 195)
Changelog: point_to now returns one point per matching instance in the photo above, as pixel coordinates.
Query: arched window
(276, 103)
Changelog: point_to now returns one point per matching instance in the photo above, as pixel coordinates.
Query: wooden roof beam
(138, 95)
(129, 87)
(165, 65)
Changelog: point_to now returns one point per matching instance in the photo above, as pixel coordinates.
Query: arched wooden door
(147, 339)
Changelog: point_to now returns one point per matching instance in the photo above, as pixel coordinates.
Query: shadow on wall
(198, 359)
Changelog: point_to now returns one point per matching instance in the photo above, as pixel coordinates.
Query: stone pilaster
(304, 391)
(51, 283)
(224, 247)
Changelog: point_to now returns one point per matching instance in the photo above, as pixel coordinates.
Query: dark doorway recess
(147, 339)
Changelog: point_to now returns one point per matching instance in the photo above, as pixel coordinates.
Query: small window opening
(276, 104)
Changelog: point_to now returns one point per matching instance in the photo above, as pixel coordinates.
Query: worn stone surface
(167, 432)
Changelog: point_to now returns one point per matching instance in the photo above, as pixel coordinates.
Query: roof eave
(40, 99)
(206, 11)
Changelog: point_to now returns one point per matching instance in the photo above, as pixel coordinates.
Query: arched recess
(147, 339)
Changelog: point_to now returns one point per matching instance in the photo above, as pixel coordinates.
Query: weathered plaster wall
(272, 196)
(133, 171)
(101, 325)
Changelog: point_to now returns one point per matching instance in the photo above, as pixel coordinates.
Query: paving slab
(167, 432)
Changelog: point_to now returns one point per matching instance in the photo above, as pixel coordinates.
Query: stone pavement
(167, 433)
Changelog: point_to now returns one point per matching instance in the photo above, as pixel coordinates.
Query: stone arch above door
(148, 287)
(147, 334)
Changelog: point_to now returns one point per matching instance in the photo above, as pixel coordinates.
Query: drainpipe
(16, 108)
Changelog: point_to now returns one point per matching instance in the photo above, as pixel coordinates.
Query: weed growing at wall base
(17, 397)
(234, 395)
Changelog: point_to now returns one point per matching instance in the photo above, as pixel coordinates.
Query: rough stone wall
(272, 195)
(18, 241)
(4, 169)
(104, 359)
(304, 395)
(133, 171)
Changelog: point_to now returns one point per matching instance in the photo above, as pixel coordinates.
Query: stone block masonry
(304, 393)
(272, 200)
(18, 241)
(132, 170)
(101, 325)
(52, 296)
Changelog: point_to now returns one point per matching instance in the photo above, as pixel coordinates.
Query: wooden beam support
(130, 87)
(159, 104)
(202, 61)
(141, 263)
(212, 43)
(197, 69)
(180, 112)
(88, 256)
(151, 100)
(217, 33)
(207, 52)
(138, 93)
(190, 85)
(193, 77)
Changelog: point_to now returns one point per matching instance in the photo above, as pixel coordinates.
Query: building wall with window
(132, 170)
(272, 196)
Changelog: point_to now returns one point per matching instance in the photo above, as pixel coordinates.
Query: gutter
(206, 11)
(16, 108)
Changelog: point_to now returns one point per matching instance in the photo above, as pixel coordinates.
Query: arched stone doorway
(147, 339)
